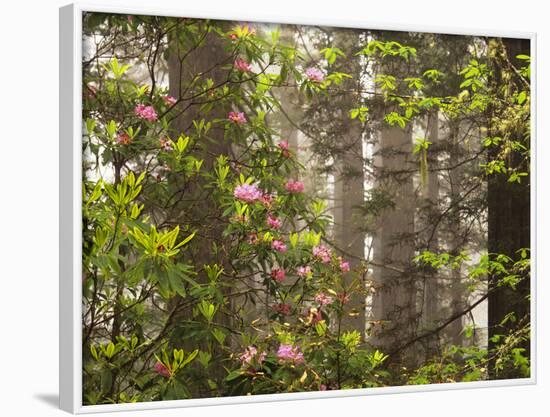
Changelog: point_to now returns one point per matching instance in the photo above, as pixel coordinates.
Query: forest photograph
(274, 208)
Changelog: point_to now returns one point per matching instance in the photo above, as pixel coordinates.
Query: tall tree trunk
(208, 60)
(431, 299)
(456, 289)
(394, 303)
(349, 194)
(509, 225)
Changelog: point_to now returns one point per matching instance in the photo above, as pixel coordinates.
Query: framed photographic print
(258, 210)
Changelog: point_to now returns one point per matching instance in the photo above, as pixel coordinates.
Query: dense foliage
(208, 268)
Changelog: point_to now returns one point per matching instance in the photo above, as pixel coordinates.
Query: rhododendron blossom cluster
(161, 369)
(315, 75)
(273, 222)
(278, 245)
(146, 112)
(169, 100)
(237, 117)
(285, 148)
(322, 253)
(251, 355)
(344, 265)
(242, 65)
(294, 186)
(123, 139)
(323, 299)
(283, 145)
(303, 271)
(278, 275)
(289, 353)
(247, 192)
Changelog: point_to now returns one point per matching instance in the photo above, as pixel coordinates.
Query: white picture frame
(70, 288)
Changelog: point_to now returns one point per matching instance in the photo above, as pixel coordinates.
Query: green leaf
(233, 375)
(185, 241)
(176, 282)
(164, 283)
(94, 353)
(360, 113)
(466, 83)
(110, 351)
(90, 126)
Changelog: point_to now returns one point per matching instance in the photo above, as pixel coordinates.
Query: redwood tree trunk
(394, 303)
(508, 230)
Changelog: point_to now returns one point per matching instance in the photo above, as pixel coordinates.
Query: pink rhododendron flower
(250, 355)
(323, 299)
(242, 65)
(281, 308)
(123, 139)
(273, 222)
(315, 75)
(322, 252)
(161, 369)
(284, 148)
(247, 192)
(344, 265)
(304, 271)
(237, 117)
(283, 145)
(165, 144)
(278, 275)
(289, 353)
(294, 186)
(278, 246)
(146, 112)
(169, 100)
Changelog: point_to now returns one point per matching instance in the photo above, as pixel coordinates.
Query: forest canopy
(277, 208)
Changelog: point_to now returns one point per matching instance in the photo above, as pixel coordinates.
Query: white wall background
(29, 208)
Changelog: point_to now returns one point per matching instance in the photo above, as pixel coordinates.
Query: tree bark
(207, 60)
(349, 194)
(394, 303)
(509, 226)
(431, 311)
